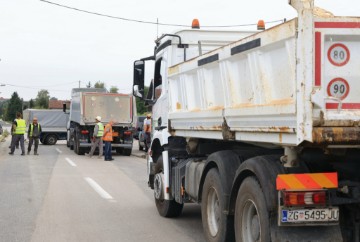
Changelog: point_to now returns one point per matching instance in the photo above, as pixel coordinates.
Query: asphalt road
(59, 196)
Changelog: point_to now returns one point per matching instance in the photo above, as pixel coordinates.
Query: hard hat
(98, 118)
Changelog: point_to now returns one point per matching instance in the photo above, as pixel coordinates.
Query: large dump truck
(262, 132)
(53, 123)
(88, 103)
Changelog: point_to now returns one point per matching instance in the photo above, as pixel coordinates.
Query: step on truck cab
(88, 103)
(262, 131)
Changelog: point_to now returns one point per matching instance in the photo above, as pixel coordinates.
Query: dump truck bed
(110, 106)
(286, 85)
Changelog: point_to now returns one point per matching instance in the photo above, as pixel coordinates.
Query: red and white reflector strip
(306, 181)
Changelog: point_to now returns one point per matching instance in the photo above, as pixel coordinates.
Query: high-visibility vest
(100, 130)
(108, 133)
(32, 129)
(21, 126)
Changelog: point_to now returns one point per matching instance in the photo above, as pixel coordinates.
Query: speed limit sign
(338, 54)
(338, 88)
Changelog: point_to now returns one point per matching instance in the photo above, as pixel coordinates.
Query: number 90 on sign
(338, 54)
(338, 88)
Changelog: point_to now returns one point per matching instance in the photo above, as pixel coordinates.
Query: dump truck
(53, 124)
(88, 103)
(262, 132)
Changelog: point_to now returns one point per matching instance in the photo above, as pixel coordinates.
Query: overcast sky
(43, 46)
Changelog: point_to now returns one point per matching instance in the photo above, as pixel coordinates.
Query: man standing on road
(147, 131)
(13, 137)
(19, 127)
(96, 140)
(108, 138)
(34, 132)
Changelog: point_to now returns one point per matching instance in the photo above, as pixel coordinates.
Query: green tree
(14, 106)
(99, 84)
(3, 107)
(31, 103)
(25, 105)
(114, 89)
(42, 99)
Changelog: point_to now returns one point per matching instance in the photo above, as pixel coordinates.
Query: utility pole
(79, 84)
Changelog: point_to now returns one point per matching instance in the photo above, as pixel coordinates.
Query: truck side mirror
(139, 73)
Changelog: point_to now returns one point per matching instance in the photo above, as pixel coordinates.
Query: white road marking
(70, 162)
(98, 189)
(58, 150)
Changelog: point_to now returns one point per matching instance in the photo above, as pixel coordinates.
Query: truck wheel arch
(226, 170)
(156, 149)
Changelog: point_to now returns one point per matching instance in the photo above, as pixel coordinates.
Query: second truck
(263, 132)
(86, 104)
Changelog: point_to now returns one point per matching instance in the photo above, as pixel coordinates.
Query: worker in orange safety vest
(108, 138)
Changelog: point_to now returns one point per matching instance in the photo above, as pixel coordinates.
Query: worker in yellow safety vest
(34, 132)
(96, 140)
(19, 127)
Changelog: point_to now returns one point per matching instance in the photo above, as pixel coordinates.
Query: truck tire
(51, 139)
(78, 150)
(217, 225)
(166, 208)
(251, 215)
(140, 146)
(127, 152)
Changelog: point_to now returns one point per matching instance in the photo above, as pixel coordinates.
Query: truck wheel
(251, 215)
(140, 146)
(166, 208)
(217, 225)
(76, 145)
(127, 152)
(76, 150)
(51, 139)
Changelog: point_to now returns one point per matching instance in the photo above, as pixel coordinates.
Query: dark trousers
(107, 151)
(15, 140)
(34, 140)
(147, 141)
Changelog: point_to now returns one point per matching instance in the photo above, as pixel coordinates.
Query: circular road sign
(338, 88)
(338, 54)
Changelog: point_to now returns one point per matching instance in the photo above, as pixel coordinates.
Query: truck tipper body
(53, 123)
(263, 132)
(86, 105)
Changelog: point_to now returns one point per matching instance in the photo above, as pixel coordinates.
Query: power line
(37, 87)
(150, 22)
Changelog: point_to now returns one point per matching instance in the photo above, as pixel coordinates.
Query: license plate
(310, 215)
